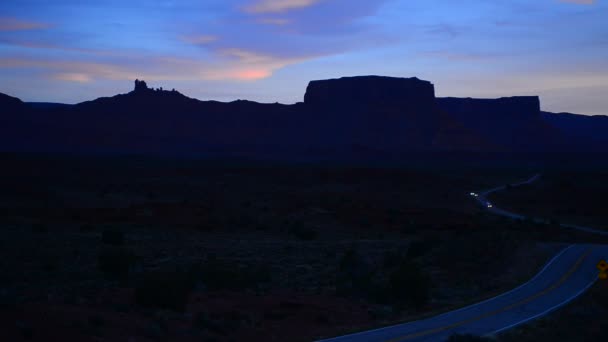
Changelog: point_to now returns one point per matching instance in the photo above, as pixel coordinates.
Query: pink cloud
(579, 2)
(199, 39)
(225, 65)
(274, 21)
(73, 77)
(278, 6)
(13, 24)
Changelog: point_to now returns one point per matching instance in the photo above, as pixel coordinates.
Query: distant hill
(10, 104)
(577, 127)
(369, 117)
(513, 123)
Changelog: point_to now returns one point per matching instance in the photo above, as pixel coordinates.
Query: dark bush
(221, 323)
(164, 290)
(356, 276)
(418, 248)
(112, 237)
(115, 262)
(467, 338)
(40, 228)
(409, 285)
(86, 228)
(221, 274)
(391, 259)
(303, 233)
(206, 322)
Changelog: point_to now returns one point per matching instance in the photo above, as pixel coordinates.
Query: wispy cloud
(227, 65)
(274, 21)
(199, 39)
(579, 2)
(278, 6)
(14, 24)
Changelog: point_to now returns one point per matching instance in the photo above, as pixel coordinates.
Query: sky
(268, 50)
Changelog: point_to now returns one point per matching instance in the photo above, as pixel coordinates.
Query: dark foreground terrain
(567, 195)
(132, 249)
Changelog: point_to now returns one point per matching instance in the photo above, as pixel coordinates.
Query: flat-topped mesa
(370, 90)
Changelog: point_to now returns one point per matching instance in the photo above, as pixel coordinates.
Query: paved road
(567, 275)
(482, 197)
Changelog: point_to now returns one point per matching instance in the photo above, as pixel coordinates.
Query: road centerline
(563, 279)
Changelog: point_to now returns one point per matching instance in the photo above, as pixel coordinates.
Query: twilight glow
(267, 50)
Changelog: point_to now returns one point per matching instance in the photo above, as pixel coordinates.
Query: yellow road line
(492, 313)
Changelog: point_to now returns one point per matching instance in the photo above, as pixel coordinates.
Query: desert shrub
(304, 233)
(479, 251)
(40, 228)
(399, 283)
(112, 237)
(409, 285)
(206, 322)
(355, 275)
(168, 289)
(467, 338)
(391, 259)
(418, 248)
(86, 227)
(218, 274)
(221, 323)
(115, 262)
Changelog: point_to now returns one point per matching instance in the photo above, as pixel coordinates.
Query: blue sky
(268, 50)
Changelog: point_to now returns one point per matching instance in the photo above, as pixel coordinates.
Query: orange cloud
(278, 6)
(13, 24)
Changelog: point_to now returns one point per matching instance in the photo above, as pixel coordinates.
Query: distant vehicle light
(490, 205)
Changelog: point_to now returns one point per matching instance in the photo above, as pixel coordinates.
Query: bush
(306, 234)
(399, 283)
(115, 262)
(164, 290)
(221, 275)
(409, 285)
(467, 338)
(418, 248)
(112, 237)
(40, 228)
(391, 259)
(356, 276)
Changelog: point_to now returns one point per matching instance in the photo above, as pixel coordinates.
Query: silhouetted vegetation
(115, 262)
(40, 228)
(400, 283)
(420, 247)
(215, 274)
(409, 285)
(112, 237)
(164, 289)
(468, 338)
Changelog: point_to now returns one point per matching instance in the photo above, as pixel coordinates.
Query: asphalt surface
(566, 276)
(482, 198)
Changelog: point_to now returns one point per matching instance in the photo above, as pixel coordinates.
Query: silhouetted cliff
(9, 104)
(363, 117)
(370, 91)
(580, 128)
(514, 123)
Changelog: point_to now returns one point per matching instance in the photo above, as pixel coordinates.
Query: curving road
(481, 197)
(567, 275)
